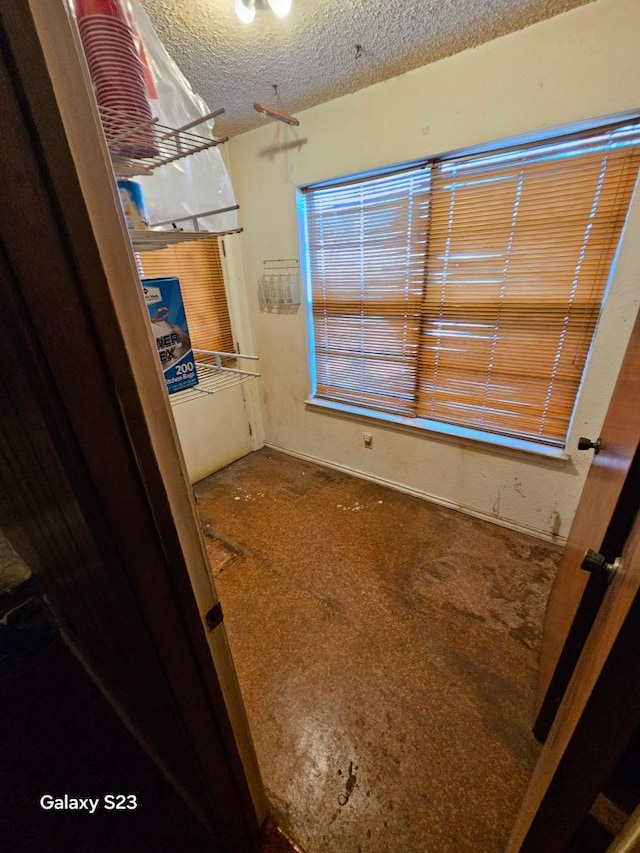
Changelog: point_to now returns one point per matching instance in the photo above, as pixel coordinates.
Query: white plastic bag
(194, 184)
(197, 183)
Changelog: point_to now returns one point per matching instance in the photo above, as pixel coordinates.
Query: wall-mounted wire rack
(279, 287)
(214, 375)
(162, 234)
(138, 147)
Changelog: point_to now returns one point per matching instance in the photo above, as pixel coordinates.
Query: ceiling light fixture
(281, 8)
(246, 9)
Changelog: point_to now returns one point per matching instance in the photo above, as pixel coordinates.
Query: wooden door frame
(595, 589)
(602, 521)
(72, 287)
(595, 723)
(628, 841)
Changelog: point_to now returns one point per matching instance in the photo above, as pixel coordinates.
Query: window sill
(447, 431)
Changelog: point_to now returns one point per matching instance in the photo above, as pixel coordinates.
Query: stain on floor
(387, 656)
(350, 784)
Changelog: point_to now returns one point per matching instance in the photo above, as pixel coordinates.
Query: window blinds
(366, 247)
(468, 292)
(520, 248)
(199, 267)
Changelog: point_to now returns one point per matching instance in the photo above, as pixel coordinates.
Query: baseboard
(417, 493)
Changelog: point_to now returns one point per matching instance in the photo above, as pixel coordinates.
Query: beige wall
(576, 67)
(213, 431)
(216, 429)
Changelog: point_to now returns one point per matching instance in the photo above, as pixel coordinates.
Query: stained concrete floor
(386, 650)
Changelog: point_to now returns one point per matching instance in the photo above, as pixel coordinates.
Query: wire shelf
(149, 241)
(138, 147)
(213, 376)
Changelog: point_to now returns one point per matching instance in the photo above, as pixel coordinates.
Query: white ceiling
(311, 54)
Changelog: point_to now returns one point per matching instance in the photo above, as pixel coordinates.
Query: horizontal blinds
(367, 244)
(520, 249)
(199, 267)
(468, 290)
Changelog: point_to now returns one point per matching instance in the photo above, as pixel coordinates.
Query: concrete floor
(386, 649)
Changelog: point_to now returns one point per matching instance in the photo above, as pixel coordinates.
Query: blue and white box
(163, 299)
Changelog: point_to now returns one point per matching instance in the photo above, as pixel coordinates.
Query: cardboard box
(163, 299)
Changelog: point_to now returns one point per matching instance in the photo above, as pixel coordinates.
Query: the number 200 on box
(163, 299)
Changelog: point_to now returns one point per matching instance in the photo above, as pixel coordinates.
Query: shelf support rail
(218, 356)
(194, 220)
(131, 131)
(194, 123)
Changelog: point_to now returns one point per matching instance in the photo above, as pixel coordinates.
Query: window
(467, 290)
(199, 267)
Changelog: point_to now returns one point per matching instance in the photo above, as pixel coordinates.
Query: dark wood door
(596, 719)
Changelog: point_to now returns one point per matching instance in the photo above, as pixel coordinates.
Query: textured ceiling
(311, 54)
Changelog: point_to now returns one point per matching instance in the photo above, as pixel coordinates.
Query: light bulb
(245, 10)
(281, 8)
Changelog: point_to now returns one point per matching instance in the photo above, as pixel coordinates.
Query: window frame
(440, 429)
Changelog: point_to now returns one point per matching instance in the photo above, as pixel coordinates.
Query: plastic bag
(197, 183)
(194, 184)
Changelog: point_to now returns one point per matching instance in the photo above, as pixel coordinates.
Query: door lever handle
(587, 444)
